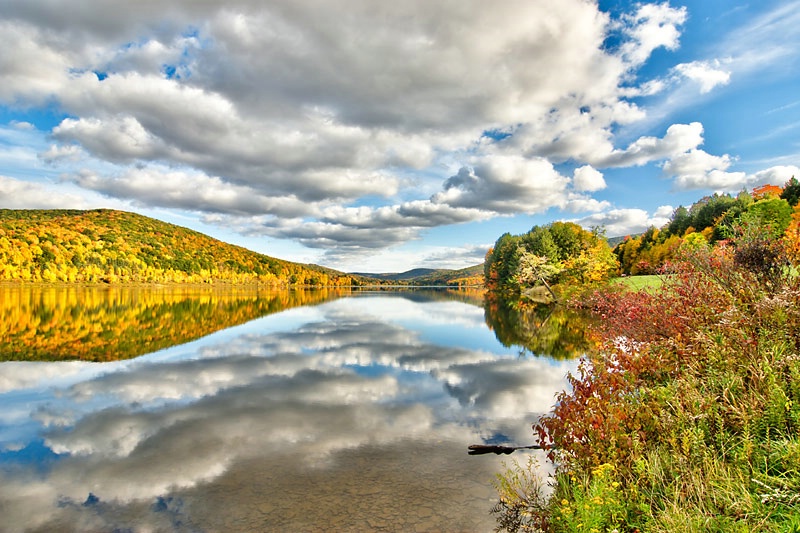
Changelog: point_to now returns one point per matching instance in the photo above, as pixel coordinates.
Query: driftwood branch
(481, 449)
(547, 286)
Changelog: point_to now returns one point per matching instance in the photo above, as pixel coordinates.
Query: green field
(637, 283)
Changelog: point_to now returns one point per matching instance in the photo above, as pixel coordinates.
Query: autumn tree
(561, 252)
(791, 237)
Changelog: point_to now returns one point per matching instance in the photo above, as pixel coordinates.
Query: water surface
(353, 414)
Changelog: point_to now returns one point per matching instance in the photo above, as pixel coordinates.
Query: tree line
(564, 253)
(716, 219)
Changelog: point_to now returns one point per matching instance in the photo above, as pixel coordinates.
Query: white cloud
(706, 73)
(777, 175)
(652, 26)
(18, 194)
(679, 139)
(61, 152)
(390, 120)
(33, 68)
(581, 204)
(697, 169)
(619, 222)
(587, 178)
(455, 257)
(22, 125)
(192, 191)
(505, 184)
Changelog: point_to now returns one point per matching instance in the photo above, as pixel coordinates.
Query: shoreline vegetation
(687, 417)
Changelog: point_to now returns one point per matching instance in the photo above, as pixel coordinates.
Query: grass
(637, 283)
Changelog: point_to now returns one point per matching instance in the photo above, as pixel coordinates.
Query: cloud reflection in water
(350, 376)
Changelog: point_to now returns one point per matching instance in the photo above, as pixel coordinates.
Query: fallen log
(481, 449)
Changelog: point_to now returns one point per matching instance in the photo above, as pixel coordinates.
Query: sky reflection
(311, 388)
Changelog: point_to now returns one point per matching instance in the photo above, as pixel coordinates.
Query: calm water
(351, 414)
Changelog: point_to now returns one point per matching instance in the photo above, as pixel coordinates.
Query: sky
(383, 136)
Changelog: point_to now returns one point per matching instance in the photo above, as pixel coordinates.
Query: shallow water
(350, 415)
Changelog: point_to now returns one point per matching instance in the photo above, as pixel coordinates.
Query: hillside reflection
(538, 329)
(109, 323)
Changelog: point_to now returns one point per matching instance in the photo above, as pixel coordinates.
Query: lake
(164, 409)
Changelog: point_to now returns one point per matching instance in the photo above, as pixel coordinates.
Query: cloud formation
(360, 134)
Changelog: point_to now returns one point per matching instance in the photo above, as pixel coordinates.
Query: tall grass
(688, 419)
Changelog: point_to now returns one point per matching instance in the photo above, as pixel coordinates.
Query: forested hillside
(116, 246)
(465, 277)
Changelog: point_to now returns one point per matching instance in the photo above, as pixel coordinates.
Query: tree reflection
(539, 329)
(95, 323)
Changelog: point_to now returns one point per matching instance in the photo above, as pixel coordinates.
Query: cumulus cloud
(191, 191)
(706, 73)
(505, 184)
(679, 139)
(64, 152)
(587, 178)
(652, 26)
(456, 257)
(497, 185)
(18, 194)
(404, 116)
(697, 169)
(701, 171)
(619, 222)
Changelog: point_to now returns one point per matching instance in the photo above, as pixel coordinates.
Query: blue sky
(381, 137)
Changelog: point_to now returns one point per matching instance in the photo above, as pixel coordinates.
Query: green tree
(707, 211)
(791, 191)
(539, 241)
(680, 222)
(774, 214)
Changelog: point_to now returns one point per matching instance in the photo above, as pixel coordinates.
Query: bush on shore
(688, 418)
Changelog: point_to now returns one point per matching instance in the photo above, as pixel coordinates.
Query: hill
(428, 276)
(401, 276)
(116, 246)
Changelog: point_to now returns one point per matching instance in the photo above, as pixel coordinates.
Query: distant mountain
(402, 276)
(104, 245)
(428, 276)
(613, 241)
